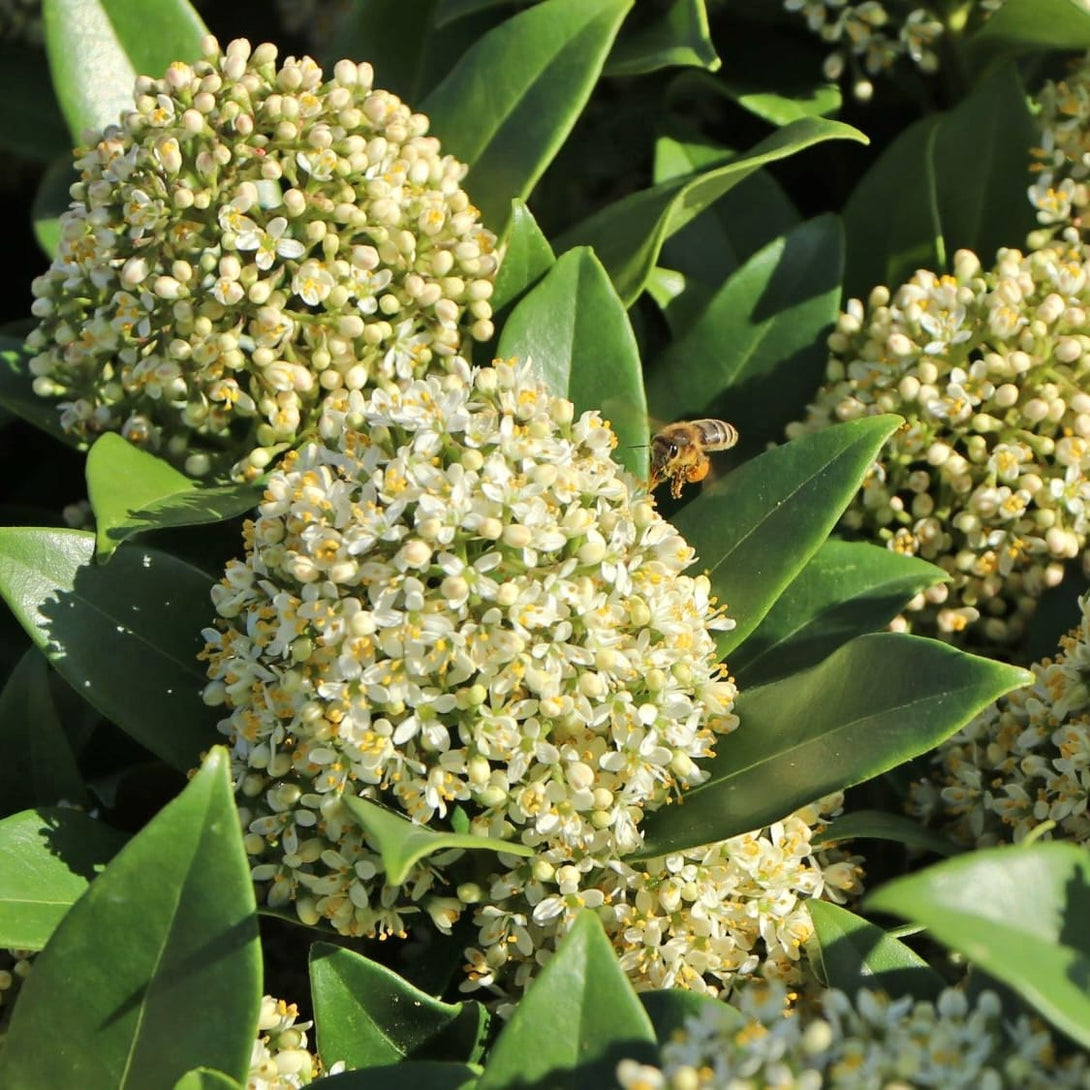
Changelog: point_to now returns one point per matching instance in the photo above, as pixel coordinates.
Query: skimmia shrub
(351, 653)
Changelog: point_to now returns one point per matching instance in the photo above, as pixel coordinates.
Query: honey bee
(679, 453)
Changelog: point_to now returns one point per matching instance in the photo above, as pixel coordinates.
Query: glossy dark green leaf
(125, 635)
(40, 768)
(847, 588)
(48, 857)
(97, 48)
(820, 99)
(17, 394)
(410, 1075)
(36, 129)
(528, 258)
(882, 825)
(628, 235)
(1035, 24)
(922, 175)
(512, 99)
(874, 703)
(755, 529)
(778, 93)
(51, 201)
(758, 352)
(204, 1078)
(446, 11)
(677, 36)
(1019, 913)
(856, 954)
(578, 1019)
(578, 334)
(401, 843)
(368, 1016)
(132, 491)
(157, 968)
(682, 299)
(731, 230)
(394, 35)
(670, 1008)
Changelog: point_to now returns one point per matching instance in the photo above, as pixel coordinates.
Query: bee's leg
(698, 471)
(677, 483)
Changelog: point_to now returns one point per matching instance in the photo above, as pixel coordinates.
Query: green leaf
(401, 843)
(856, 954)
(512, 99)
(756, 354)
(780, 92)
(528, 258)
(49, 857)
(51, 201)
(411, 1075)
(17, 392)
(628, 235)
(731, 230)
(677, 36)
(395, 35)
(125, 635)
(922, 175)
(847, 588)
(204, 1078)
(1019, 913)
(97, 48)
(670, 1008)
(40, 768)
(132, 491)
(449, 10)
(577, 332)
(361, 1008)
(819, 99)
(882, 825)
(578, 1019)
(157, 968)
(755, 529)
(1035, 24)
(872, 704)
(36, 129)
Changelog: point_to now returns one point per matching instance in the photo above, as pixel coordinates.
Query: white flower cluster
(868, 39)
(461, 608)
(1023, 761)
(279, 1059)
(863, 1043)
(701, 919)
(249, 239)
(1061, 166)
(988, 476)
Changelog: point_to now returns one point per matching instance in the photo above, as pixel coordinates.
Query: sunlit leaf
(854, 954)
(579, 1018)
(578, 334)
(401, 843)
(97, 48)
(125, 635)
(48, 858)
(512, 99)
(873, 704)
(157, 968)
(1017, 912)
